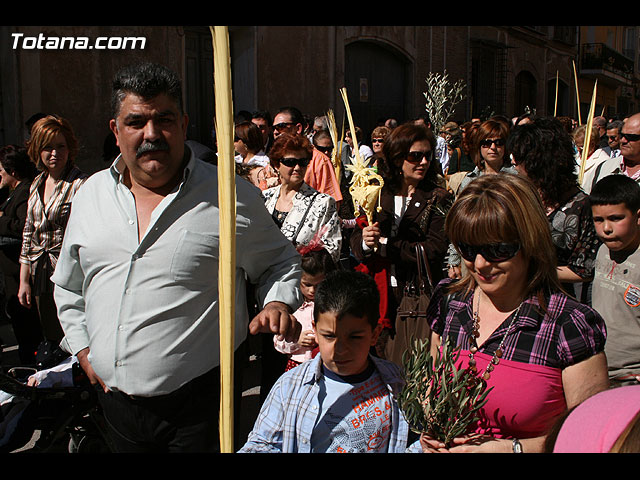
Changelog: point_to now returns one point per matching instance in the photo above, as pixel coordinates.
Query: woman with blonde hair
(539, 350)
(53, 148)
(378, 137)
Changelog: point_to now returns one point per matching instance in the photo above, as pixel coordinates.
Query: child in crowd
(316, 264)
(615, 203)
(343, 400)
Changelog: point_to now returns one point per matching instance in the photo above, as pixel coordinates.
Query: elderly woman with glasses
(412, 205)
(537, 349)
(302, 213)
(305, 216)
(378, 136)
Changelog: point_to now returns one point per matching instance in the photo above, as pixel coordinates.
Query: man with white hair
(628, 163)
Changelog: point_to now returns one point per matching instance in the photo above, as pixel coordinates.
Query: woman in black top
(412, 203)
(16, 174)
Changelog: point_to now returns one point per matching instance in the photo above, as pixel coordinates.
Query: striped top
(567, 333)
(45, 224)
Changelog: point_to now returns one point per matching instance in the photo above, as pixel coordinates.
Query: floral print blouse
(574, 235)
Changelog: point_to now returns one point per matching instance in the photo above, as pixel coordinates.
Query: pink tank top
(525, 400)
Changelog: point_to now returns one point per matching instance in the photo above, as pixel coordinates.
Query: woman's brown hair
(488, 129)
(288, 143)
(505, 208)
(251, 136)
(44, 131)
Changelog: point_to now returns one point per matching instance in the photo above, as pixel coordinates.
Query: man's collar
(118, 167)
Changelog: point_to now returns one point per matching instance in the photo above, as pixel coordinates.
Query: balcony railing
(598, 56)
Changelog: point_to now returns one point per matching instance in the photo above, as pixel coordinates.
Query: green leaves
(439, 399)
(441, 98)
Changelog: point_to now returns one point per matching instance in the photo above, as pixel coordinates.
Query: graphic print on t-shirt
(359, 420)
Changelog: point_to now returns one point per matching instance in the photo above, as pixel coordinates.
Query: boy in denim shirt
(344, 400)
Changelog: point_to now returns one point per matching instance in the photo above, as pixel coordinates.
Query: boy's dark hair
(348, 292)
(616, 189)
(147, 80)
(317, 262)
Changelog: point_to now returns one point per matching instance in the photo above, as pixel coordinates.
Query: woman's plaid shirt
(567, 333)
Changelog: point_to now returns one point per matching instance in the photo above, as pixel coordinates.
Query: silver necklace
(473, 346)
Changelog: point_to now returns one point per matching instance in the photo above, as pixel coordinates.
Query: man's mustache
(159, 145)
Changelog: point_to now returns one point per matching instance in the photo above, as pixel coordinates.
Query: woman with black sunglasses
(299, 210)
(537, 349)
(412, 206)
(378, 136)
(488, 150)
(321, 174)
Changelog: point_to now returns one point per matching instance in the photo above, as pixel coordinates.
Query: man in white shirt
(628, 162)
(137, 279)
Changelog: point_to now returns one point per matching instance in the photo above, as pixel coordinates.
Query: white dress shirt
(148, 309)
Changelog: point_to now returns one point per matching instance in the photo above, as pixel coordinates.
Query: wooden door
(376, 82)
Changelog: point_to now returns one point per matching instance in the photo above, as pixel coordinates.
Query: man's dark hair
(347, 292)
(264, 114)
(295, 114)
(615, 124)
(147, 80)
(242, 116)
(615, 190)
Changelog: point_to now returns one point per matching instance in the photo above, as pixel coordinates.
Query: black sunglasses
(492, 252)
(282, 126)
(487, 143)
(415, 157)
(632, 137)
(292, 161)
(326, 150)
(377, 140)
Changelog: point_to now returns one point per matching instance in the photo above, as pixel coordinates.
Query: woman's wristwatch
(517, 446)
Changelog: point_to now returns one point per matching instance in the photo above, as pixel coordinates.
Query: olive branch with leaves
(440, 399)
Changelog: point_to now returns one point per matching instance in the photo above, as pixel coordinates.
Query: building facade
(609, 56)
(507, 70)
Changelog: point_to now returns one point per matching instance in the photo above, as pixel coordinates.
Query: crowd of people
(530, 255)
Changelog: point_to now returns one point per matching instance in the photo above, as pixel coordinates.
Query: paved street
(250, 394)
